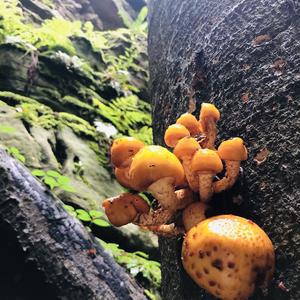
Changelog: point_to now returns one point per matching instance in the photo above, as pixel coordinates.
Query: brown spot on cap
(205, 270)
(198, 274)
(212, 283)
(201, 254)
(231, 265)
(218, 264)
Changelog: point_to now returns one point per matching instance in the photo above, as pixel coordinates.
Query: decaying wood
(70, 259)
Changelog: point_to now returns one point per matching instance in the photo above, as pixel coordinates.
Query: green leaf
(101, 223)
(95, 214)
(38, 173)
(20, 157)
(53, 173)
(150, 295)
(69, 208)
(13, 150)
(67, 188)
(51, 182)
(63, 180)
(83, 215)
(142, 254)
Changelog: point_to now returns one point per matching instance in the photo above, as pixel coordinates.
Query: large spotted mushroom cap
(229, 256)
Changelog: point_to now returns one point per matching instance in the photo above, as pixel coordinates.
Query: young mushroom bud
(190, 122)
(123, 149)
(232, 151)
(206, 164)
(193, 214)
(123, 209)
(158, 171)
(228, 256)
(185, 150)
(209, 115)
(174, 133)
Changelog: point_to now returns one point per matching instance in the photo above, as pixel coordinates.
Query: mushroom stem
(231, 175)
(163, 190)
(193, 214)
(205, 185)
(211, 133)
(155, 217)
(190, 177)
(165, 230)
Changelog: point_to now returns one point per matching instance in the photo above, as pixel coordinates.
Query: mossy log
(244, 57)
(69, 259)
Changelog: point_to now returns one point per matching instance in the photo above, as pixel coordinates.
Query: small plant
(15, 152)
(91, 216)
(137, 263)
(53, 180)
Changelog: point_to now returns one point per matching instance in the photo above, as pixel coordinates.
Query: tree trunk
(243, 56)
(68, 257)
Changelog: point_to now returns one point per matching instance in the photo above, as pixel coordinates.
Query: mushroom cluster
(183, 182)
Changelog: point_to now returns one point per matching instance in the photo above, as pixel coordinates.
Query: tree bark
(57, 243)
(243, 56)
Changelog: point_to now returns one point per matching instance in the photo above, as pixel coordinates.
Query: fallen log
(57, 243)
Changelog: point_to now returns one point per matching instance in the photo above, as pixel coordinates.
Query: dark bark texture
(243, 56)
(56, 243)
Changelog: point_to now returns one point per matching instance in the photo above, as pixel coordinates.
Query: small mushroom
(193, 214)
(228, 256)
(209, 115)
(123, 149)
(174, 133)
(190, 122)
(123, 209)
(185, 150)
(158, 171)
(232, 151)
(206, 164)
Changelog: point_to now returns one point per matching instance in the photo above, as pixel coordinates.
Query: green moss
(73, 101)
(78, 125)
(14, 99)
(101, 149)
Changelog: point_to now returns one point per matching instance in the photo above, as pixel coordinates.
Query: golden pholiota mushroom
(158, 171)
(185, 150)
(206, 164)
(193, 214)
(123, 209)
(122, 176)
(228, 256)
(209, 115)
(123, 149)
(190, 122)
(232, 151)
(174, 133)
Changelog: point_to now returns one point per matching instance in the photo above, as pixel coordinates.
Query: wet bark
(243, 56)
(69, 259)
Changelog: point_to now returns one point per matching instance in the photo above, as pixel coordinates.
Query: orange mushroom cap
(206, 160)
(123, 149)
(123, 209)
(174, 133)
(207, 111)
(123, 178)
(152, 163)
(187, 146)
(233, 149)
(190, 122)
(229, 256)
